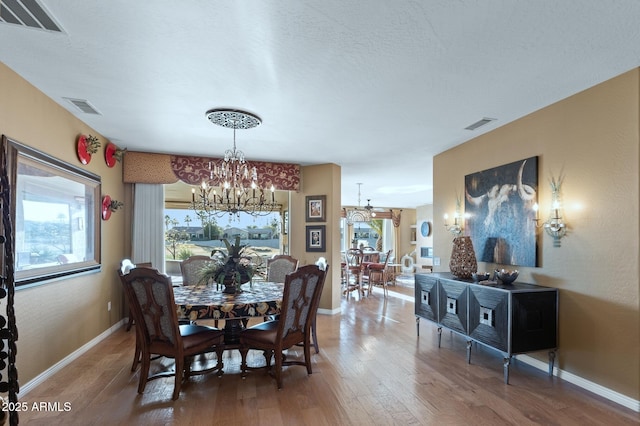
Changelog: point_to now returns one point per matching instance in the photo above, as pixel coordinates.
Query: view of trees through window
(186, 234)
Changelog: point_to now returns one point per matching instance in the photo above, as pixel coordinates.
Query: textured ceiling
(378, 87)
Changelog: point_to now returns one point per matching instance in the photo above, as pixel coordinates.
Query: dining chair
(125, 266)
(370, 255)
(323, 265)
(153, 305)
(279, 266)
(353, 272)
(301, 291)
(377, 274)
(191, 269)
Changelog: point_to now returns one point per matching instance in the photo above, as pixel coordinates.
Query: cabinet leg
(439, 336)
(469, 344)
(552, 359)
(418, 326)
(506, 362)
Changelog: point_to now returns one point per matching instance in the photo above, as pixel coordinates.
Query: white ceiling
(378, 87)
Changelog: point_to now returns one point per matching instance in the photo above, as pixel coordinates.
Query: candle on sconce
(193, 195)
(273, 189)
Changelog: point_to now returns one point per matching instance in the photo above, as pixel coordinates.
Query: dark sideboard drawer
(452, 305)
(489, 316)
(426, 299)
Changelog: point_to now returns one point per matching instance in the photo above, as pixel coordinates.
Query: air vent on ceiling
(27, 13)
(84, 106)
(479, 123)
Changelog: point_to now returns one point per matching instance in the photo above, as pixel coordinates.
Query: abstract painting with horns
(499, 205)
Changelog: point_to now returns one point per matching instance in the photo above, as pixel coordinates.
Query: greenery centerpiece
(231, 268)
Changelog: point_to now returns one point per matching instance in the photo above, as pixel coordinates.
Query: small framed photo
(315, 237)
(316, 208)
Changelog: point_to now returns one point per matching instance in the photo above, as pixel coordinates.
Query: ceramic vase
(463, 258)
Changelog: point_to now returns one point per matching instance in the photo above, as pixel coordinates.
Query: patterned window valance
(144, 167)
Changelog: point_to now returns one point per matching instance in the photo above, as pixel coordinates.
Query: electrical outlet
(109, 306)
(436, 261)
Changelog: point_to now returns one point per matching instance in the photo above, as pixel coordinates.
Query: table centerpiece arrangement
(231, 268)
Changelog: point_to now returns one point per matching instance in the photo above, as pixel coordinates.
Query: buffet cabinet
(510, 318)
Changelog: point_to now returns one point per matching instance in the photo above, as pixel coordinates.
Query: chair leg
(137, 355)
(243, 364)
(130, 323)
(144, 371)
(307, 356)
(278, 372)
(314, 335)
(268, 354)
(220, 364)
(186, 366)
(180, 366)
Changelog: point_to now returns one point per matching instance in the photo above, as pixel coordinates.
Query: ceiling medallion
(233, 118)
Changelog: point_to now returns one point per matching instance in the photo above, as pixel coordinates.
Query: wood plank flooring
(372, 369)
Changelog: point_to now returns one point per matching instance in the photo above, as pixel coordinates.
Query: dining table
(259, 299)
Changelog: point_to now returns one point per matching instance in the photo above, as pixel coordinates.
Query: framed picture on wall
(500, 204)
(316, 208)
(315, 237)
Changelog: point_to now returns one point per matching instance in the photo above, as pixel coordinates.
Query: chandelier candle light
(233, 176)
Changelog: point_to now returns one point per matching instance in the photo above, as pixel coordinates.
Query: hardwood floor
(371, 369)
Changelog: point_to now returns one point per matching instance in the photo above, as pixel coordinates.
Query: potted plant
(93, 144)
(231, 268)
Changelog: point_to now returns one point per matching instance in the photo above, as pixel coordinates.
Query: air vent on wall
(84, 106)
(479, 123)
(27, 13)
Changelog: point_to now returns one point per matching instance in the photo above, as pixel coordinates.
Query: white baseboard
(329, 311)
(602, 391)
(68, 359)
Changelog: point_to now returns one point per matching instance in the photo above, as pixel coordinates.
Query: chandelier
(233, 182)
(360, 214)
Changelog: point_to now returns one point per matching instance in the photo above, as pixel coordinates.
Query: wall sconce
(554, 226)
(455, 228)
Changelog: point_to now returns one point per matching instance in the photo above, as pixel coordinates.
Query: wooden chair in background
(279, 266)
(353, 272)
(191, 269)
(376, 274)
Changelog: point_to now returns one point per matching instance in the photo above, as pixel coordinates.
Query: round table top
(205, 301)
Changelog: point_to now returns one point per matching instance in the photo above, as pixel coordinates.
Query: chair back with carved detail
(301, 291)
(150, 295)
(191, 269)
(279, 266)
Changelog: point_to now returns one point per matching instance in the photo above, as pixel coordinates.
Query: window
(55, 215)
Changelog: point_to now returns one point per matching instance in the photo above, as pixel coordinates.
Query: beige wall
(423, 214)
(593, 137)
(57, 318)
(323, 179)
